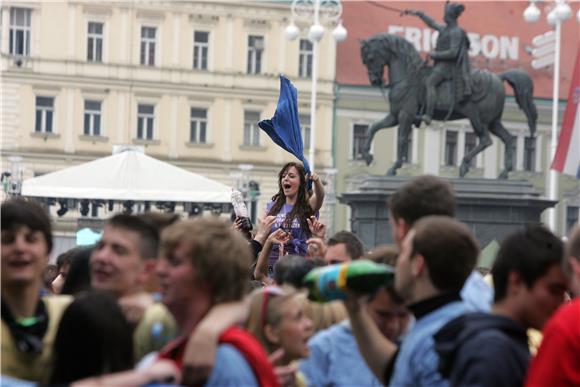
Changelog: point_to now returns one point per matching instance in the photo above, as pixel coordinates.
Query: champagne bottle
(241, 210)
(362, 276)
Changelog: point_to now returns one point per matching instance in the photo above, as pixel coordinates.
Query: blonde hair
(267, 308)
(220, 256)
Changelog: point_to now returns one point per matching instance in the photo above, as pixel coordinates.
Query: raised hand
(316, 248)
(314, 177)
(279, 237)
(237, 225)
(317, 197)
(317, 228)
(264, 226)
(412, 12)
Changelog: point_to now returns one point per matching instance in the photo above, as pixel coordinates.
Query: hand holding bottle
(241, 210)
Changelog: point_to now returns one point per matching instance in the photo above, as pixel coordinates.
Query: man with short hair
(335, 359)
(436, 256)
(203, 264)
(491, 349)
(429, 195)
(125, 256)
(29, 322)
(556, 362)
(122, 263)
(342, 247)
(423, 196)
(202, 267)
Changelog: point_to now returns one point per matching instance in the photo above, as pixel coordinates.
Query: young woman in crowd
(293, 206)
(93, 339)
(278, 321)
(77, 278)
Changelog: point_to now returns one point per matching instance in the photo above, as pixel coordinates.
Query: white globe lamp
(553, 18)
(532, 13)
(292, 32)
(563, 11)
(339, 33)
(315, 33)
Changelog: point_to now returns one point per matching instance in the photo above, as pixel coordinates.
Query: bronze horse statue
(483, 108)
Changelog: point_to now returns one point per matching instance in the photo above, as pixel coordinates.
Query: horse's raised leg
(484, 141)
(499, 130)
(404, 131)
(387, 122)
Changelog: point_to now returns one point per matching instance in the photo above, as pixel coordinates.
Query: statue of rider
(450, 57)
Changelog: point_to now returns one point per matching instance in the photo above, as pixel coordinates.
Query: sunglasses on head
(268, 292)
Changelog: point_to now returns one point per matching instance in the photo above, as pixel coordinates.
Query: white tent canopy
(128, 175)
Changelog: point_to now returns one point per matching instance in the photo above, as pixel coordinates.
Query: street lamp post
(330, 197)
(559, 13)
(313, 11)
(243, 186)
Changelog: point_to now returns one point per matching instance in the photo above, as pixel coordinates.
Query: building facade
(188, 81)
(497, 44)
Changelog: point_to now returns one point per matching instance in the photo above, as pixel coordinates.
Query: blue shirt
(335, 360)
(417, 362)
(8, 381)
(231, 369)
(476, 293)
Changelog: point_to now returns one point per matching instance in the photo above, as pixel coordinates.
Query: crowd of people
(161, 300)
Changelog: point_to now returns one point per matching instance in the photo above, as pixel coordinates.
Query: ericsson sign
(490, 46)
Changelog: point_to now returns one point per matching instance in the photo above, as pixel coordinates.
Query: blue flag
(284, 127)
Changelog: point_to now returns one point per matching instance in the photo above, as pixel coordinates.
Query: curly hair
(302, 209)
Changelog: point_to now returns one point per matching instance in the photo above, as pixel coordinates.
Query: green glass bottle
(362, 276)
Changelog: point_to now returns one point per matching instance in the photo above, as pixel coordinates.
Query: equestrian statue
(447, 90)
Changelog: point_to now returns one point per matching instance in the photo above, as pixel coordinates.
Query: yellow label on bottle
(341, 282)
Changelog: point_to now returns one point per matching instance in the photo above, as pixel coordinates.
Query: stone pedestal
(491, 208)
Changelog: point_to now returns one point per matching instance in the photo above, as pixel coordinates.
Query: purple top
(297, 245)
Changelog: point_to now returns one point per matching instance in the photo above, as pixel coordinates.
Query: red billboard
(500, 37)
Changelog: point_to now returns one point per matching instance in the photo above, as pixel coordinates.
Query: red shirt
(248, 346)
(557, 362)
